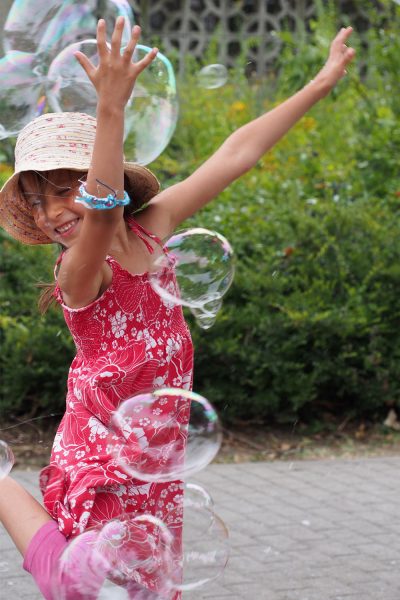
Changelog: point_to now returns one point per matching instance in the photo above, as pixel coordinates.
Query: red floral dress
(128, 341)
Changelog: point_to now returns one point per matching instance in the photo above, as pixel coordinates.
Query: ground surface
(299, 530)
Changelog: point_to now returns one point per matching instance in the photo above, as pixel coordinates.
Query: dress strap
(143, 234)
(58, 262)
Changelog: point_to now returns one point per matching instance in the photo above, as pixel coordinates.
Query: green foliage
(311, 323)
(35, 351)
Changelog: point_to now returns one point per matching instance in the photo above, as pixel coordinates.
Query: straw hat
(59, 141)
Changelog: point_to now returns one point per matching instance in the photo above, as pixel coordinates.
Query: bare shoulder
(155, 218)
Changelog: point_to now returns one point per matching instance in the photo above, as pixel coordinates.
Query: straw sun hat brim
(16, 215)
(60, 141)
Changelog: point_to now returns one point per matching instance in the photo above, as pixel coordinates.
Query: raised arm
(243, 148)
(80, 275)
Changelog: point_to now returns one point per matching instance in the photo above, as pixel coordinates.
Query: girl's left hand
(340, 55)
(115, 75)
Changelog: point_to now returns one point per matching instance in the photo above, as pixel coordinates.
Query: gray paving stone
(309, 530)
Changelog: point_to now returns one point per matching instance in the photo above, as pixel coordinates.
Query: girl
(127, 339)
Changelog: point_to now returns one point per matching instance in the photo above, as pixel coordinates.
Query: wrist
(321, 85)
(109, 110)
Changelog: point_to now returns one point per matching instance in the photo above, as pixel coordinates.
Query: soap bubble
(204, 551)
(164, 435)
(137, 550)
(68, 87)
(202, 262)
(47, 26)
(152, 112)
(123, 556)
(6, 459)
(213, 76)
(21, 86)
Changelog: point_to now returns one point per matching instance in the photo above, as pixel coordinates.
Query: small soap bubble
(6, 459)
(196, 270)
(213, 76)
(164, 435)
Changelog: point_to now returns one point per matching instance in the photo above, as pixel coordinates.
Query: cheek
(40, 219)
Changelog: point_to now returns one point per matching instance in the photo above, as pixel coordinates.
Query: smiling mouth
(67, 227)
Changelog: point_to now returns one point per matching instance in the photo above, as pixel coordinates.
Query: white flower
(118, 324)
(97, 429)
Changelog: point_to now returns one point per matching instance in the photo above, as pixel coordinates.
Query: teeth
(66, 227)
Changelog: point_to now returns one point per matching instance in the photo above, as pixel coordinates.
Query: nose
(53, 208)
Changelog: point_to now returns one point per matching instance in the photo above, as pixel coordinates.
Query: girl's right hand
(115, 76)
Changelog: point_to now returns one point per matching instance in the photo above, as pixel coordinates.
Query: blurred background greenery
(309, 329)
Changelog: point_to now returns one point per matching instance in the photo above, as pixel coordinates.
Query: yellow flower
(308, 123)
(238, 106)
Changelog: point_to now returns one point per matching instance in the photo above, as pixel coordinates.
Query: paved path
(312, 530)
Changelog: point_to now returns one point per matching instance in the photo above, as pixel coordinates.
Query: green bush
(35, 351)
(310, 325)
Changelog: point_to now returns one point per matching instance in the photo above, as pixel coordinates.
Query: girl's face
(51, 197)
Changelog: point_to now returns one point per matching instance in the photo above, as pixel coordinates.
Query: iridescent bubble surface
(21, 86)
(48, 26)
(205, 549)
(212, 76)
(6, 459)
(164, 435)
(68, 87)
(152, 112)
(202, 262)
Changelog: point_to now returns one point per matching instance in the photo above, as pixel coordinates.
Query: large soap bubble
(203, 553)
(21, 87)
(164, 435)
(6, 459)
(212, 76)
(202, 262)
(47, 26)
(152, 112)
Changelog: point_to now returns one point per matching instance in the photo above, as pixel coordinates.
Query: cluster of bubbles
(40, 73)
(196, 270)
(163, 436)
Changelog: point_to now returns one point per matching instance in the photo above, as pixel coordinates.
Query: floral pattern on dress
(128, 341)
